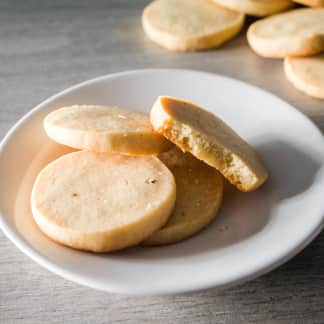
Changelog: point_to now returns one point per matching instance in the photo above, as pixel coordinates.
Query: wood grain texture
(46, 46)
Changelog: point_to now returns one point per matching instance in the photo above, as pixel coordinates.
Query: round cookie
(188, 25)
(311, 3)
(306, 74)
(208, 138)
(101, 202)
(104, 129)
(257, 7)
(298, 32)
(199, 197)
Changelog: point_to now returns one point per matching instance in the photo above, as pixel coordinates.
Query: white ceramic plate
(254, 233)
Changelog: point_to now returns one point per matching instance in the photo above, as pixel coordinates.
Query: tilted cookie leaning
(208, 138)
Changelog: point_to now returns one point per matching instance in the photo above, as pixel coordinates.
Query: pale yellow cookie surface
(199, 197)
(187, 25)
(101, 202)
(208, 138)
(257, 7)
(306, 74)
(104, 129)
(298, 32)
(311, 3)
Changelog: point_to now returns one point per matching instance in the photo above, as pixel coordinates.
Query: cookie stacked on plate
(138, 179)
(185, 25)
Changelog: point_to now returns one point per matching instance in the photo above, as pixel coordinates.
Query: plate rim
(23, 245)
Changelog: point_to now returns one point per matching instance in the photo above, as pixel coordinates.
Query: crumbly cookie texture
(298, 32)
(199, 197)
(101, 202)
(188, 25)
(104, 129)
(208, 138)
(257, 7)
(306, 74)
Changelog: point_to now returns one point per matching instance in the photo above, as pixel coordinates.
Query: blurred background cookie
(306, 74)
(257, 7)
(298, 32)
(188, 25)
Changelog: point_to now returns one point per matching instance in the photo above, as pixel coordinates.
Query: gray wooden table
(46, 46)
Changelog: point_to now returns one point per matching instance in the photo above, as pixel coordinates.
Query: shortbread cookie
(101, 202)
(199, 196)
(311, 3)
(104, 129)
(257, 7)
(298, 32)
(209, 139)
(306, 74)
(188, 25)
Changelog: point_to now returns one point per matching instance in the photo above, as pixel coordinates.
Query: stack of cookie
(138, 179)
(296, 36)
